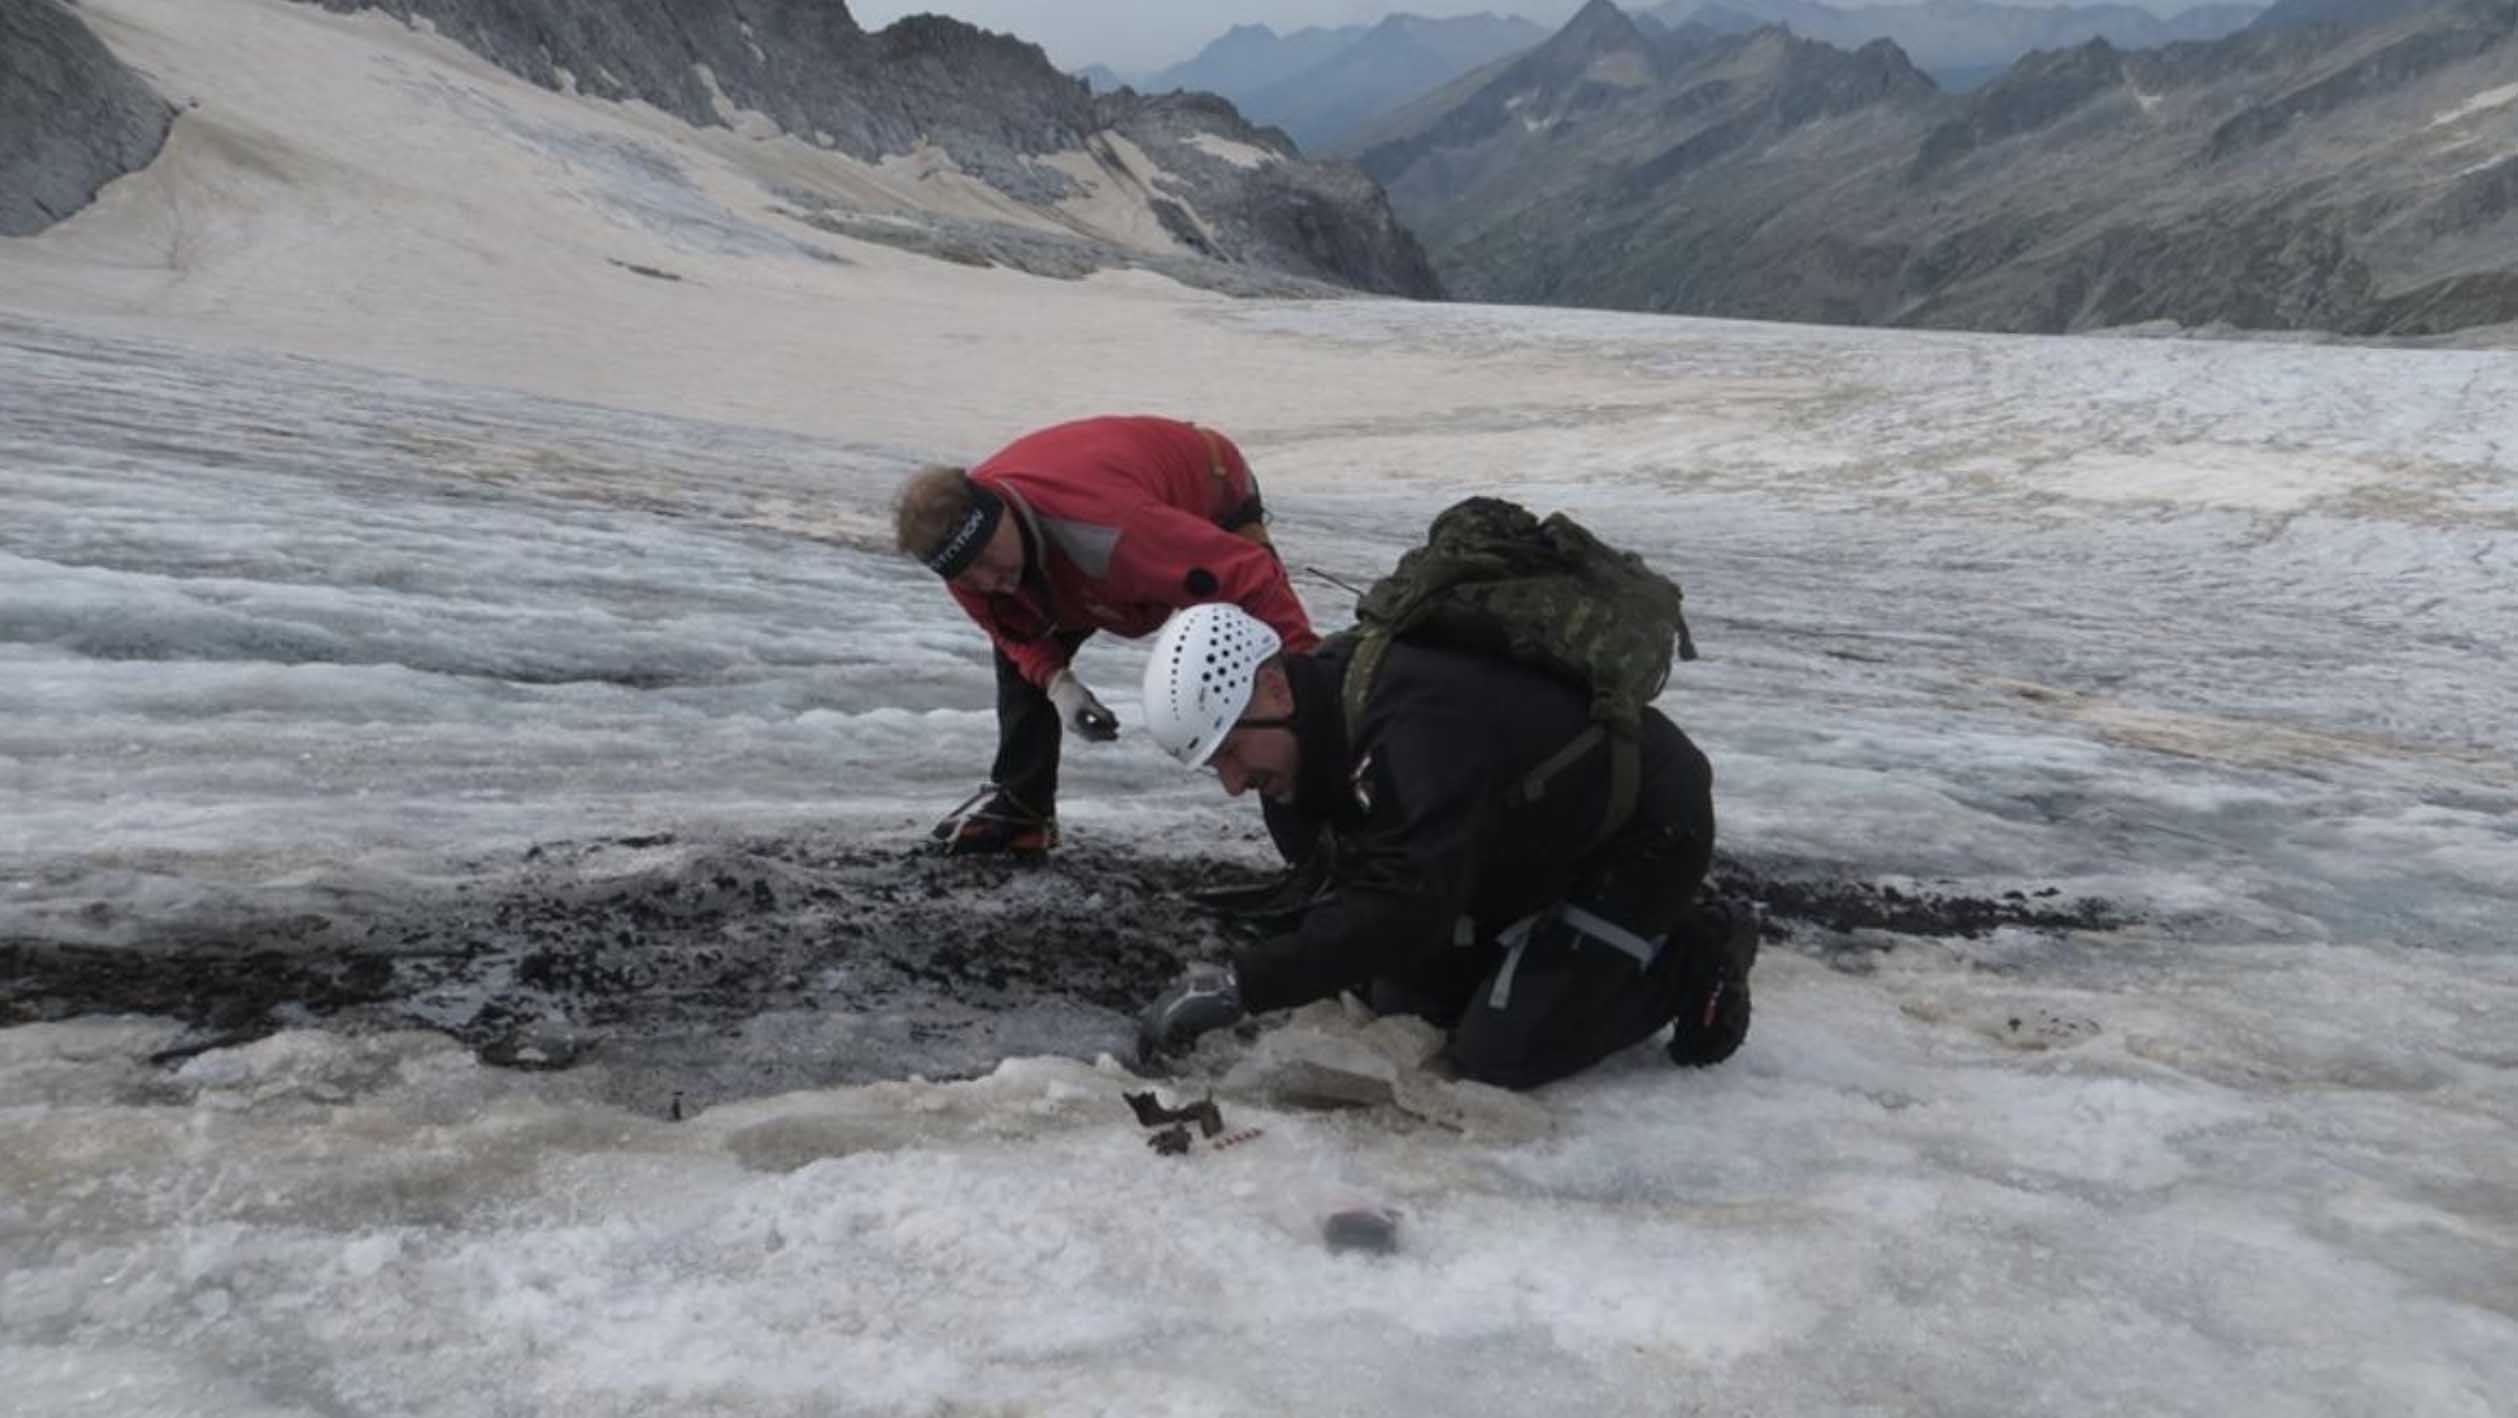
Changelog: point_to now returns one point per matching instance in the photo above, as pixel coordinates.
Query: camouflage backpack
(1493, 580)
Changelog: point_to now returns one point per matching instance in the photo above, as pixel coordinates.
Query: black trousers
(1029, 734)
(1565, 995)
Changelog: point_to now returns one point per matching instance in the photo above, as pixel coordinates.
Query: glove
(1207, 997)
(1081, 711)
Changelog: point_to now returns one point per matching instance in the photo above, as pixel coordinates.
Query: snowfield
(365, 517)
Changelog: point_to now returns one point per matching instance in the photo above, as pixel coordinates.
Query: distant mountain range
(1100, 78)
(1960, 43)
(2356, 171)
(1250, 57)
(1320, 84)
(1325, 85)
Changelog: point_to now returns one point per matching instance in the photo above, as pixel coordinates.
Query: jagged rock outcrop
(1326, 219)
(72, 116)
(991, 103)
(2355, 178)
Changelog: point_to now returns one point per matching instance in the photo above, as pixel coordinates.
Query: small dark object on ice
(164, 1058)
(1374, 1232)
(1151, 1113)
(1173, 1140)
(635, 269)
(532, 1050)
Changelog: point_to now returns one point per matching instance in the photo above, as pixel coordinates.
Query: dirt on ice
(692, 973)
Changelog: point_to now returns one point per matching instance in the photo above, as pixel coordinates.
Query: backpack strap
(1626, 782)
(1626, 774)
(1534, 784)
(1371, 644)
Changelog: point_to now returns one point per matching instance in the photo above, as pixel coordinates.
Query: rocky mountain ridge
(1179, 183)
(1321, 84)
(1960, 43)
(991, 103)
(2354, 178)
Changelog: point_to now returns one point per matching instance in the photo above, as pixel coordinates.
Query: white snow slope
(359, 507)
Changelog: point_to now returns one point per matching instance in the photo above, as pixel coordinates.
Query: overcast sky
(1137, 35)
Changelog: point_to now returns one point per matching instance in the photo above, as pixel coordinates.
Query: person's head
(1216, 696)
(1263, 754)
(960, 530)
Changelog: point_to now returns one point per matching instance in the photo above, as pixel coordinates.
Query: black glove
(1205, 997)
(1080, 710)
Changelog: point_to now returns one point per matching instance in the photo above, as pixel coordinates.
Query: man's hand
(1080, 710)
(1205, 998)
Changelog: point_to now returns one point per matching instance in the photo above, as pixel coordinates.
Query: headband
(955, 553)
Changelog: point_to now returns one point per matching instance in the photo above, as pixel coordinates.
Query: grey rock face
(2037, 91)
(2350, 179)
(991, 102)
(970, 242)
(986, 99)
(1602, 169)
(72, 117)
(1325, 221)
(2392, 65)
(1590, 65)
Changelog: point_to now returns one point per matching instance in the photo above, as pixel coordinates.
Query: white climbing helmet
(1198, 681)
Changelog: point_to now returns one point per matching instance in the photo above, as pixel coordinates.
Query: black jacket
(1428, 826)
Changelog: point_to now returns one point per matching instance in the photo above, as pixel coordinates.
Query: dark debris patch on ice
(704, 971)
(1846, 909)
(712, 970)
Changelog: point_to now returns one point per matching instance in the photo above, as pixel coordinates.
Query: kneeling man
(1471, 882)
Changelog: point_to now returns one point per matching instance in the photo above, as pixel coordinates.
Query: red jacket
(1119, 520)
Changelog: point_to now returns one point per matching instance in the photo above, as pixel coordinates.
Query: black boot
(1713, 1013)
(999, 826)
